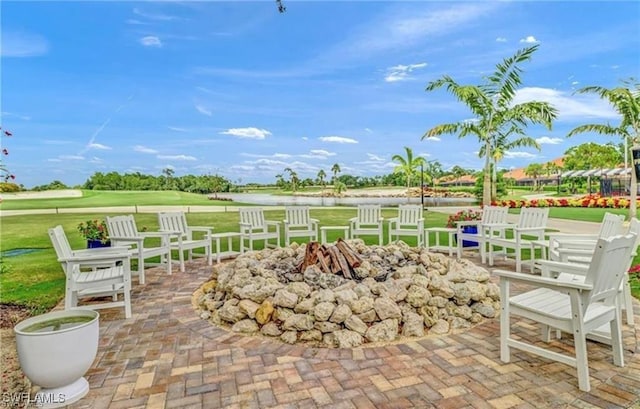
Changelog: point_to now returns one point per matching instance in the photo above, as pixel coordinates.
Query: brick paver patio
(166, 356)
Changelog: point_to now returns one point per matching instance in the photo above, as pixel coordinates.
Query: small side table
(216, 237)
(437, 246)
(324, 229)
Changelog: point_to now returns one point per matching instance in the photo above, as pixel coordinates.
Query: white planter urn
(55, 351)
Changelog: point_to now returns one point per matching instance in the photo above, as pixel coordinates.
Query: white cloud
(304, 138)
(151, 41)
(401, 72)
(98, 146)
(575, 82)
(321, 152)
(337, 139)
(501, 40)
(144, 149)
(151, 16)
(521, 155)
(135, 22)
(96, 160)
(176, 129)
(21, 44)
(548, 141)
(570, 107)
(250, 133)
(529, 40)
(275, 155)
(71, 157)
(203, 110)
(176, 157)
(433, 139)
(368, 130)
(375, 158)
(11, 114)
(54, 160)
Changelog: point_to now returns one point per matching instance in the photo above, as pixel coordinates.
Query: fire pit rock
(395, 291)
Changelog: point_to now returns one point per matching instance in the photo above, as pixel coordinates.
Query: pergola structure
(607, 176)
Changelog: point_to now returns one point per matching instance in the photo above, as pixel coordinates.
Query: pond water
(17, 252)
(273, 200)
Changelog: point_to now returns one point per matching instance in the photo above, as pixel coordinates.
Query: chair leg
(127, 299)
(181, 257)
(140, 268)
(209, 255)
(616, 340)
(505, 352)
(582, 363)
(627, 300)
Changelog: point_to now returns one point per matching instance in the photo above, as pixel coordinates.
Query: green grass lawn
(105, 198)
(36, 280)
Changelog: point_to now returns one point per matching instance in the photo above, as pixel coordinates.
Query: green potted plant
(95, 232)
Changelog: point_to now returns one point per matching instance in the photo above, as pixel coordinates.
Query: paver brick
(166, 356)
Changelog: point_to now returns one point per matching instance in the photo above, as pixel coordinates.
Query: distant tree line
(203, 184)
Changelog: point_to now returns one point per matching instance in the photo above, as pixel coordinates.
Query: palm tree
(534, 170)
(321, 175)
(335, 169)
(407, 165)
(502, 144)
(458, 172)
(433, 170)
(294, 178)
(495, 113)
(626, 101)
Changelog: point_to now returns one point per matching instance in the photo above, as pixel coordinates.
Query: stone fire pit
(401, 291)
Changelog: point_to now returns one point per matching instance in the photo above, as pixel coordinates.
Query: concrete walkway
(165, 356)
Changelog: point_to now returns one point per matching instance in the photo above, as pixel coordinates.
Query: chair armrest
(312, 220)
(112, 249)
(542, 281)
(548, 267)
(160, 234)
(98, 258)
(272, 223)
(561, 237)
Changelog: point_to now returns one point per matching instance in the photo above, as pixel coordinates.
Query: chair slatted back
(494, 214)
(122, 226)
(173, 221)
(409, 214)
(611, 225)
(369, 215)
(531, 217)
(60, 243)
(608, 266)
(253, 216)
(297, 216)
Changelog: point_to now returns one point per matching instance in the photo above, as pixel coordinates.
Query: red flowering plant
(94, 230)
(463, 215)
(4, 172)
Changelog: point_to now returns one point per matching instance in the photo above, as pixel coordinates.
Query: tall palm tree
(321, 175)
(408, 164)
(335, 169)
(294, 178)
(495, 113)
(626, 101)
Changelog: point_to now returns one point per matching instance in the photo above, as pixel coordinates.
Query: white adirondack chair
(494, 221)
(580, 261)
(93, 273)
(183, 238)
(253, 226)
(368, 222)
(574, 307)
(298, 223)
(531, 223)
(567, 246)
(123, 231)
(409, 222)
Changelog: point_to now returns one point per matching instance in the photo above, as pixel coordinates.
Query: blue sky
(236, 88)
